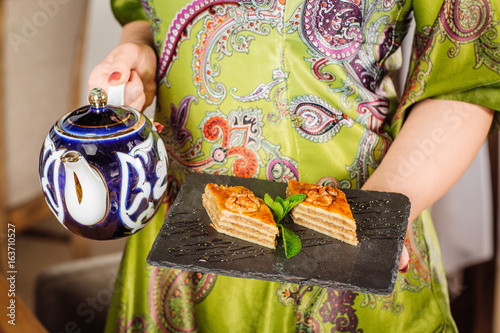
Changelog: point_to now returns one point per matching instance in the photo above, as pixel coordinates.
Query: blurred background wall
(48, 49)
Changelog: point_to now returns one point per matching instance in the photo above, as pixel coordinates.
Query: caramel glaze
(222, 193)
(339, 204)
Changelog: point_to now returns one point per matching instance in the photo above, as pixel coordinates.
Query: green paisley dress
(298, 89)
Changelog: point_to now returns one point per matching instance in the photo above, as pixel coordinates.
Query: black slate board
(187, 241)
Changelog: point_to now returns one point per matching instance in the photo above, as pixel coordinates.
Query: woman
(293, 89)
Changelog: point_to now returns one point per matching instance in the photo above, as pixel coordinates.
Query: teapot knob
(98, 98)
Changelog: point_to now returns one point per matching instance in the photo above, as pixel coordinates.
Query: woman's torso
(278, 90)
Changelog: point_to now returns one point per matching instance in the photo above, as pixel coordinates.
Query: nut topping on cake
(324, 210)
(242, 202)
(320, 195)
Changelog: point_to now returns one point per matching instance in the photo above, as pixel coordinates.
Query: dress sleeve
(127, 11)
(455, 55)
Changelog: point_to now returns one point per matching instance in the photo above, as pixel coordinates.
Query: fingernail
(405, 269)
(115, 76)
(159, 127)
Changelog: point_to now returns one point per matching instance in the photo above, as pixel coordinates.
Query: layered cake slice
(325, 210)
(237, 212)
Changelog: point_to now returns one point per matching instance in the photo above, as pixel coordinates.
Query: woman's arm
(132, 61)
(137, 32)
(436, 145)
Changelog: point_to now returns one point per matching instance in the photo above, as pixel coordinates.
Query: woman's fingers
(122, 60)
(133, 64)
(99, 76)
(134, 92)
(404, 262)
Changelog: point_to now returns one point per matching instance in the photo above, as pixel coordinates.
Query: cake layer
(247, 217)
(341, 234)
(331, 222)
(329, 218)
(269, 242)
(324, 210)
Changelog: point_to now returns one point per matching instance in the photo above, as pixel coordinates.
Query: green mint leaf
(275, 206)
(291, 242)
(280, 208)
(268, 200)
(294, 200)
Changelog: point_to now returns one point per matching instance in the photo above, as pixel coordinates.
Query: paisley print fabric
(298, 89)
(463, 32)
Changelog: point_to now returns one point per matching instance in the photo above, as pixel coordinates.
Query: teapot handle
(116, 95)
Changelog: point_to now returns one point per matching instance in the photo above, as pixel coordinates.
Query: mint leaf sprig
(280, 208)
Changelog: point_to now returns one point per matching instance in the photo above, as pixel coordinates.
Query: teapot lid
(98, 120)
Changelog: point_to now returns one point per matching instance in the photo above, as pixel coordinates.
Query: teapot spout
(85, 191)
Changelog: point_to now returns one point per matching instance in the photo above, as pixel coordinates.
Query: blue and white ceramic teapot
(103, 168)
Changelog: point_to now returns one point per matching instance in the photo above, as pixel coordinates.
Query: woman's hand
(132, 62)
(436, 145)
(404, 261)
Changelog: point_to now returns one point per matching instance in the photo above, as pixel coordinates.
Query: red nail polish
(159, 127)
(405, 269)
(115, 76)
